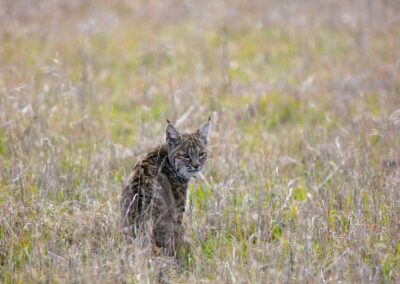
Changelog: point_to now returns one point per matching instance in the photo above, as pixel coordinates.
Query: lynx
(155, 195)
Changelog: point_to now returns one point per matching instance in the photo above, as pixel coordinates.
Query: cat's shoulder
(152, 158)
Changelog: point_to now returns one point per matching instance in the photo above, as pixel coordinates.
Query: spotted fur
(155, 194)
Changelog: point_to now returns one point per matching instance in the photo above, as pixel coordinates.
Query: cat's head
(187, 153)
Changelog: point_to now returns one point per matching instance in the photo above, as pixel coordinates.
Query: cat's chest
(180, 194)
(172, 190)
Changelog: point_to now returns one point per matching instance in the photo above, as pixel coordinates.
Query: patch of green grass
(3, 143)
(279, 109)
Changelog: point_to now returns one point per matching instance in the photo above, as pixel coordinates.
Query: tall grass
(303, 180)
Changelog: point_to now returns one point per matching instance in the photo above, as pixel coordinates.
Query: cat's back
(138, 191)
(146, 169)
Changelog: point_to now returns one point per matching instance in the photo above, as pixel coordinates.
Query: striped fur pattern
(155, 194)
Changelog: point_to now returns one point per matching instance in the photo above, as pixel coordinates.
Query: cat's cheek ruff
(180, 168)
(187, 175)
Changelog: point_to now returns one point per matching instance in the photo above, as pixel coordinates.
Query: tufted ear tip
(204, 130)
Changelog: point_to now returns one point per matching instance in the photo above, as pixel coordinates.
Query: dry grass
(303, 183)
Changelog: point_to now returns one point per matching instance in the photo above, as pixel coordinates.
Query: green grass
(302, 180)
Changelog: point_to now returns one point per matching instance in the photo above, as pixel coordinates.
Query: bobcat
(154, 197)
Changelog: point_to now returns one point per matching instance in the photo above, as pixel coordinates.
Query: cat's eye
(186, 156)
(202, 154)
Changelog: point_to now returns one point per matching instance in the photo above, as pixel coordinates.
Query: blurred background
(302, 183)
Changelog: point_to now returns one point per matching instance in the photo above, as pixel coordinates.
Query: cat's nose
(196, 166)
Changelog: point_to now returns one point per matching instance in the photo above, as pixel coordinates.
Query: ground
(303, 178)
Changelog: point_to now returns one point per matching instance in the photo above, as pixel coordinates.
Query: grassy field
(303, 180)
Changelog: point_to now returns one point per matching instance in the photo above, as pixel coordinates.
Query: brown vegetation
(302, 182)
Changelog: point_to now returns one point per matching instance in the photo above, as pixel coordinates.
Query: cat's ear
(173, 137)
(203, 131)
